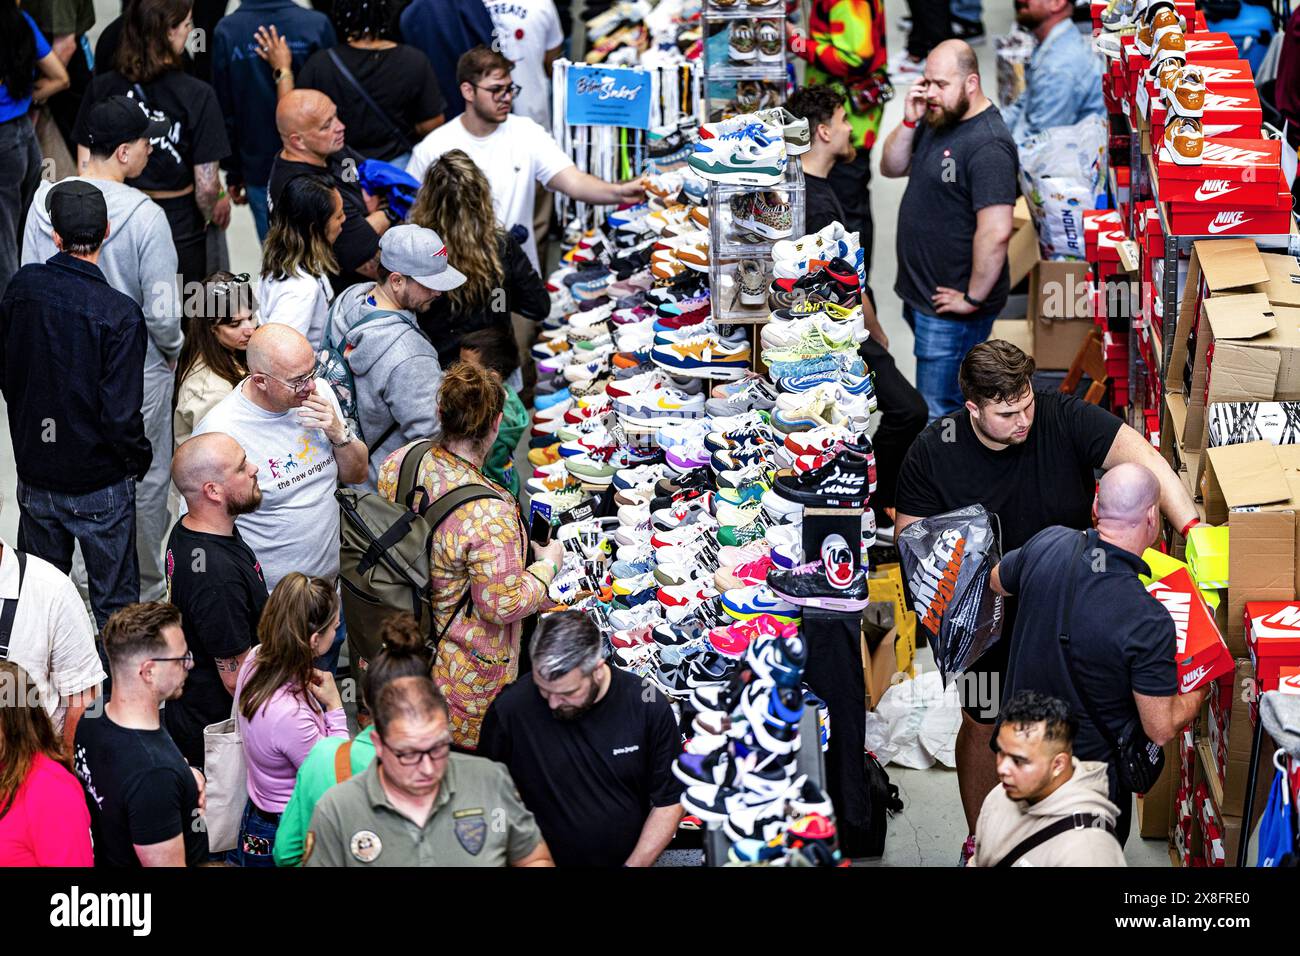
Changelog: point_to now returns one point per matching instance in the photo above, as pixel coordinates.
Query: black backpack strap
(402, 141)
(1076, 821)
(11, 608)
(378, 442)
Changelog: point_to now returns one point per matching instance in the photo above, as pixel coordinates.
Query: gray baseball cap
(418, 252)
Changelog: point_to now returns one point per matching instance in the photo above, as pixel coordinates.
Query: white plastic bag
(916, 723)
(1062, 171)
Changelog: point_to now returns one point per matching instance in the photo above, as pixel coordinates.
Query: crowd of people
(186, 429)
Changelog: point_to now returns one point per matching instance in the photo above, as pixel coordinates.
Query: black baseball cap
(77, 210)
(118, 120)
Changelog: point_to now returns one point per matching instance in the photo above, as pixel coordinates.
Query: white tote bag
(227, 781)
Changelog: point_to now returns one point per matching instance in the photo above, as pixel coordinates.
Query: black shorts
(980, 688)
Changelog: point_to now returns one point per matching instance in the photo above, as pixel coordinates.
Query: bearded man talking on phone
(961, 165)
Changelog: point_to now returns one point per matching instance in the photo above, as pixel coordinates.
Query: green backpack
(384, 555)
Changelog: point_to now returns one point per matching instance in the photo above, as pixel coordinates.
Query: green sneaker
(729, 536)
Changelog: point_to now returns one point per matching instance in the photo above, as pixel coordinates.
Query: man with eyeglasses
(419, 804)
(290, 425)
(145, 800)
(514, 153)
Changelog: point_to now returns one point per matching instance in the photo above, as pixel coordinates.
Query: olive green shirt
(477, 820)
(60, 17)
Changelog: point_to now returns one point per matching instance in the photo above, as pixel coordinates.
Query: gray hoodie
(396, 371)
(138, 258)
(1004, 823)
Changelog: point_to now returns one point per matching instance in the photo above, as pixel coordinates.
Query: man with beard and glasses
(591, 755)
(961, 165)
(214, 578)
(1030, 458)
(1062, 83)
(419, 804)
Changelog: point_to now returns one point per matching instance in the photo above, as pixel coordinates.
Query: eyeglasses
(298, 385)
(188, 659)
(500, 92)
(226, 286)
(410, 758)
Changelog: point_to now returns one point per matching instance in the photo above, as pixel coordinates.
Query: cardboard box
(1060, 311)
(1015, 331)
(1022, 251)
(879, 667)
(1236, 423)
(1227, 158)
(1283, 285)
(1155, 808)
(1226, 113)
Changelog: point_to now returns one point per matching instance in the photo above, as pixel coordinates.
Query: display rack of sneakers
(621, 153)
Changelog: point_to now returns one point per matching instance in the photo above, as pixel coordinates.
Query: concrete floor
(931, 828)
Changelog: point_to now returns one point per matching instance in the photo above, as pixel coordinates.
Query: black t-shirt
(188, 105)
(823, 206)
(139, 790)
(358, 242)
(1046, 480)
(217, 583)
(954, 174)
(590, 782)
(400, 80)
(1121, 639)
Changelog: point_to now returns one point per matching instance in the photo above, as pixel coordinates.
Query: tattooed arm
(214, 204)
(228, 668)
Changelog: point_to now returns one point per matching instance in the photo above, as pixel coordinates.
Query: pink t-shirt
(49, 823)
(278, 739)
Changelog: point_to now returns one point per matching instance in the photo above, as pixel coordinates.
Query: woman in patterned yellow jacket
(481, 546)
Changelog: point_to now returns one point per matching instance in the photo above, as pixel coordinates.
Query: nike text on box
(1200, 653)
(1193, 219)
(1273, 639)
(1224, 158)
(1231, 189)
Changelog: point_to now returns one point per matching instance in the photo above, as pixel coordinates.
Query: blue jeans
(256, 840)
(941, 344)
(257, 203)
(972, 10)
(103, 522)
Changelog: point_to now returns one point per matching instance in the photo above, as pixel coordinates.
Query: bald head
(280, 350)
(309, 126)
(954, 57)
(1127, 494)
(204, 458)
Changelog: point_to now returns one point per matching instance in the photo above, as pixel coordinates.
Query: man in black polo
(1122, 640)
(1030, 458)
(591, 757)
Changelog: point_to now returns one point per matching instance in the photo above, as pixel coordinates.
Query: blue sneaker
(745, 604)
(779, 658)
(773, 713)
(554, 398)
(630, 569)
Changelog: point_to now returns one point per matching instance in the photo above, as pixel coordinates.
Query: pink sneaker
(744, 575)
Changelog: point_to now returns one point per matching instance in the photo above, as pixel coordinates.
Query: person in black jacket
(72, 371)
(455, 201)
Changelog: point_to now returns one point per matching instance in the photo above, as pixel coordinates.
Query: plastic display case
(734, 85)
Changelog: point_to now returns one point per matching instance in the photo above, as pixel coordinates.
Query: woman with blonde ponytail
(285, 704)
(455, 201)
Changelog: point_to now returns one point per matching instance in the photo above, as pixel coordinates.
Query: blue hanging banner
(608, 96)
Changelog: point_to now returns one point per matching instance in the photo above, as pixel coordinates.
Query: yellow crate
(886, 584)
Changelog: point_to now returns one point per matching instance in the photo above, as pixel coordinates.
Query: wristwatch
(276, 74)
(349, 436)
(974, 303)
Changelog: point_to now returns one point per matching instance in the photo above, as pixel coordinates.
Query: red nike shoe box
(1222, 76)
(1197, 219)
(1288, 680)
(1242, 188)
(1237, 115)
(1273, 639)
(1201, 48)
(1223, 159)
(1200, 653)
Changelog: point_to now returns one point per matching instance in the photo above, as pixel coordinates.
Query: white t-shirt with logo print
(526, 30)
(514, 158)
(297, 526)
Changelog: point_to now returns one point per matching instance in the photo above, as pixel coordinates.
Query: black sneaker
(843, 482)
(808, 586)
(972, 31)
(836, 282)
(697, 480)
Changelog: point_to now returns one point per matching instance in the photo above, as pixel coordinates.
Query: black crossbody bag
(1137, 760)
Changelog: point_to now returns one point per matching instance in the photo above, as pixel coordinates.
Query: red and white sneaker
(837, 558)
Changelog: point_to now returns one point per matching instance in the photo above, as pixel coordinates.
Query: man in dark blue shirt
(445, 30)
(72, 373)
(247, 89)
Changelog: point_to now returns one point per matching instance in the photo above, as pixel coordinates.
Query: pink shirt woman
(48, 823)
(279, 737)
